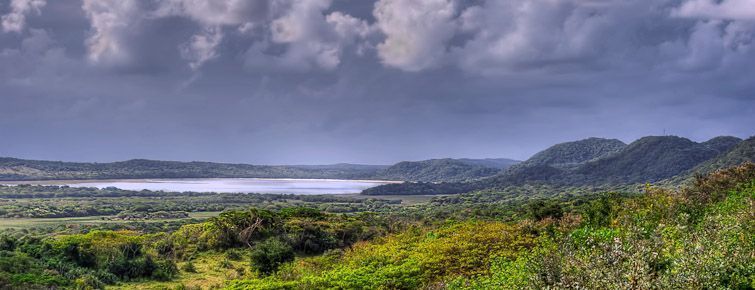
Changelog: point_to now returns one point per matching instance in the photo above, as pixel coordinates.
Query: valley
(460, 223)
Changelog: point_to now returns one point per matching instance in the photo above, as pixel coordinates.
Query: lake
(242, 185)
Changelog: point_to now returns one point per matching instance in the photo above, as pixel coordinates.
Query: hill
(649, 159)
(722, 143)
(445, 170)
(739, 153)
(569, 154)
(603, 162)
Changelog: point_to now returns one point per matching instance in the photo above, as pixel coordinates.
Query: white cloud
(202, 47)
(111, 21)
(704, 48)
(213, 15)
(487, 37)
(15, 20)
(723, 35)
(711, 46)
(351, 30)
(725, 9)
(523, 34)
(416, 32)
(218, 12)
(310, 39)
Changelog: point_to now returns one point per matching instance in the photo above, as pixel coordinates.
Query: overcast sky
(318, 81)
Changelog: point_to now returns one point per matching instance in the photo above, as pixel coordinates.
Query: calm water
(245, 185)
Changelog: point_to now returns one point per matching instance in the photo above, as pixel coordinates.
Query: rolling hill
(445, 170)
(739, 153)
(570, 154)
(604, 162)
(650, 159)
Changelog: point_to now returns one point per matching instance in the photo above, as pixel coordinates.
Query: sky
(329, 81)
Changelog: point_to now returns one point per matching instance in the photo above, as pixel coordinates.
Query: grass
(211, 273)
(24, 223)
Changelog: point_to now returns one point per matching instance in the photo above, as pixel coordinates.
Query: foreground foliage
(700, 236)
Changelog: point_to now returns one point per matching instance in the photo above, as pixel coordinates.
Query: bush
(189, 267)
(233, 254)
(541, 210)
(164, 270)
(270, 254)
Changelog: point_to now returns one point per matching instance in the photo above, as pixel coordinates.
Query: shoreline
(158, 180)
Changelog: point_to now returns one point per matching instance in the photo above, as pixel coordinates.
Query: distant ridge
(428, 170)
(20, 169)
(605, 162)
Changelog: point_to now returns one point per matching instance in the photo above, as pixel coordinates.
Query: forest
(697, 236)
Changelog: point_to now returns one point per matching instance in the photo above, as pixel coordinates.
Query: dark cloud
(320, 81)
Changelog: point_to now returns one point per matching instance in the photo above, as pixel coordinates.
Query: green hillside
(570, 154)
(648, 159)
(446, 170)
(603, 162)
(739, 153)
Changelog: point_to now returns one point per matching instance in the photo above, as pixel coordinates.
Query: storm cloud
(325, 81)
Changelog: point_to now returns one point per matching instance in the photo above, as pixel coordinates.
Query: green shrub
(234, 254)
(268, 256)
(164, 270)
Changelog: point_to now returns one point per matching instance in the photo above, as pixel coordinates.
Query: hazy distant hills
(427, 171)
(588, 162)
(598, 162)
(19, 169)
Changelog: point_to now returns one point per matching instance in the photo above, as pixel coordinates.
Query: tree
(541, 210)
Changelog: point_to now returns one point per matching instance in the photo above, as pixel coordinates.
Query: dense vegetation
(700, 236)
(739, 153)
(98, 258)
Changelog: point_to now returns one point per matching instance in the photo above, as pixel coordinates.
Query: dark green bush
(269, 255)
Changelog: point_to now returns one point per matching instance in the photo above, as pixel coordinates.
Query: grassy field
(22, 223)
(212, 270)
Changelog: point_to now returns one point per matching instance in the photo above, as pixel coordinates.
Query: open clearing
(21, 223)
